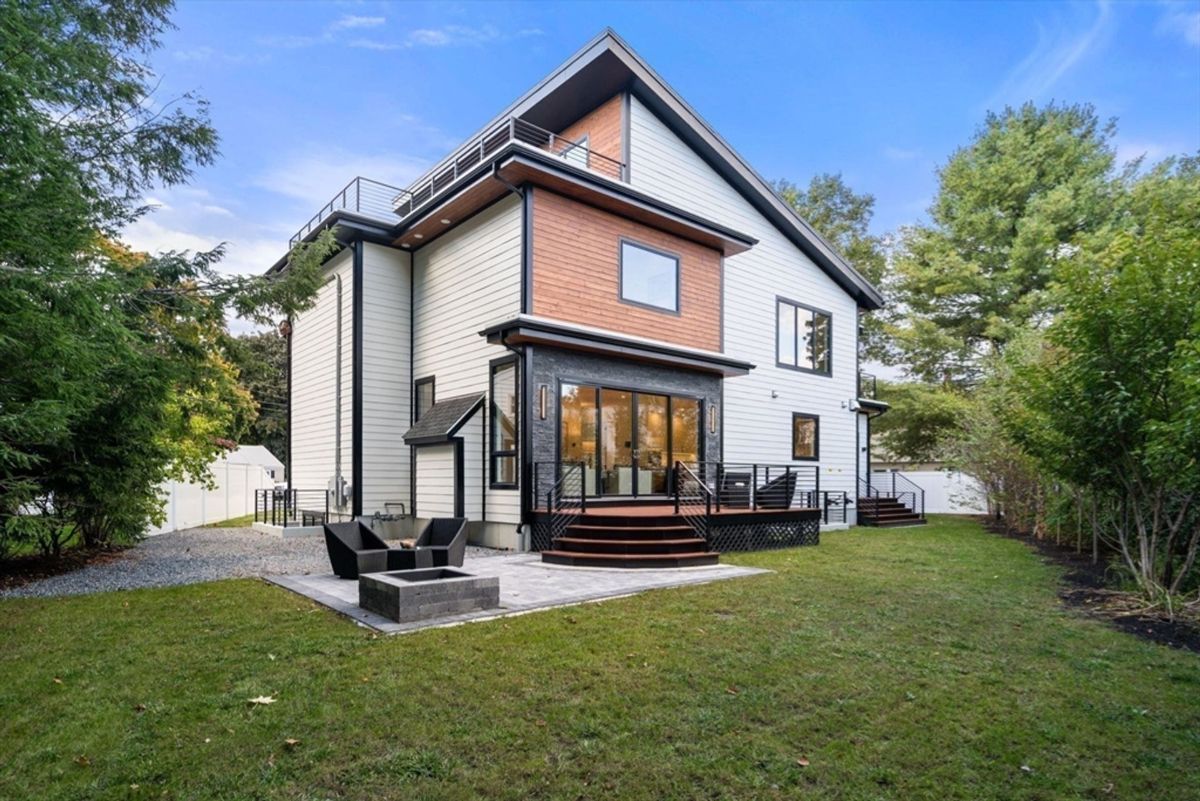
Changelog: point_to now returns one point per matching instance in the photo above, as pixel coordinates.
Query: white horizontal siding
(435, 481)
(464, 281)
(315, 381)
(473, 490)
(758, 407)
(386, 379)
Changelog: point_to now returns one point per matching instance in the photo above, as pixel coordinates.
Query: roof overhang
(868, 405)
(442, 420)
(531, 330)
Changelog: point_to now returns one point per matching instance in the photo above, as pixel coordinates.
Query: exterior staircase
(884, 512)
(612, 538)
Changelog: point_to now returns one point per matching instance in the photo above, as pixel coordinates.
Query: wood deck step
(647, 561)
(603, 532)
(630, 546)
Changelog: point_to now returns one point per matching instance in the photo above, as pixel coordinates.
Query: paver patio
(526, 584)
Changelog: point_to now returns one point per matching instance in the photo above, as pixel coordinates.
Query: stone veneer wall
(552, 364)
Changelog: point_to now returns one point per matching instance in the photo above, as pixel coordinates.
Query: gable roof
(607, 65)
(443, 419)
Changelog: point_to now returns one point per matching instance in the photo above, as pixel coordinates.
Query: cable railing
(693, 500)
(294, 507)
(868, 386)
(362, 196)
(390, 205)
(565, 501)
(755, 486)
(894, 486)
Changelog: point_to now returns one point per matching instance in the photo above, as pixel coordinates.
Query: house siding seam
(387, 383)
(313, 436)
(576, 274)
(758, 407)
(462, 282)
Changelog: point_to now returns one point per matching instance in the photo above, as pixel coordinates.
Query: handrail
(756, 485)
(279, 506)
(691, 496)
(390, 204)
(909, 487)
(564, 507)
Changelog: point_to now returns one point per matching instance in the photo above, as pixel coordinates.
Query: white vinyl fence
(946, 491)
(188, 505)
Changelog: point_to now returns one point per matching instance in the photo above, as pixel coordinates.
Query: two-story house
(594, 283)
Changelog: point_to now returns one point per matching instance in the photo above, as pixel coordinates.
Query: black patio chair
(444, 539)
(778, 492)
(734, 489)
(354, 548)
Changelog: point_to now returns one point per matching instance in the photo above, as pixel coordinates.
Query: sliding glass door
(628, 441)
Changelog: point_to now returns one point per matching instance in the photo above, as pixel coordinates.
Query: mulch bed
(1087, 588)
(21, 570)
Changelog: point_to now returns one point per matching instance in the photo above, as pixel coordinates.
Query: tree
(113, 379)
(843, 217)
(1009, 206)
(1111, 402)
(924, 422)
(261, 360)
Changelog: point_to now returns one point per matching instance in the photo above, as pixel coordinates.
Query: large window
(425, 397)
(805, 430)
(803, 337)
(649, 277)
(504, 423)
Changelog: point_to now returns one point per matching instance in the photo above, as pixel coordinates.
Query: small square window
(649, 277)
(805, 432)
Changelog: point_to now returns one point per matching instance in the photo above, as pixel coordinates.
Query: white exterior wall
(315, 381)
(473, 470)
(758, 426)
(864, 431)
(464, 281)
(435, 481)
(386, 380)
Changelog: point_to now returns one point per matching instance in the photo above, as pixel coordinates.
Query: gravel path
(197, 554)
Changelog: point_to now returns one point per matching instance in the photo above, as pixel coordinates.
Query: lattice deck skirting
(726, 536)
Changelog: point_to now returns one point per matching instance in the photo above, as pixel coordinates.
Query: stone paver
(526, 584)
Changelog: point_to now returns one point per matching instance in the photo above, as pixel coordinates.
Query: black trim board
(356, 421)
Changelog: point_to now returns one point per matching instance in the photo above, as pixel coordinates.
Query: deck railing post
(720, 482)
(754, 487)
(677, 481)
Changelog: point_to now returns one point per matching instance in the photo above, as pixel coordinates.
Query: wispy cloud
(445, 36)
(1182, 20)
(314, 174)
(205, 54)
(352, 21)
(1060, 47)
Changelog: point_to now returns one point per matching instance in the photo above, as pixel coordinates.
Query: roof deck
(390, 205)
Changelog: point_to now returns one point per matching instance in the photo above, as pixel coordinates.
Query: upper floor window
(425, 397)
(649, 277)
(803, 337)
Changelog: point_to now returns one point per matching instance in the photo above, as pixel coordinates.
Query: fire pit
(408, 595)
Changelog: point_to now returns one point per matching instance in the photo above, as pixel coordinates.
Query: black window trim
(432, 381)
(493, 454)
(828, 372)
(816, 418)
(621, 243)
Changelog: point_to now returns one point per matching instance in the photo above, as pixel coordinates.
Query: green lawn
(930, 663)
(245, 521)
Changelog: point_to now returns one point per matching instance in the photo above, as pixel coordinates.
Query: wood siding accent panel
(576, 274)
(757, 426)
(602, 126)
(387, 384)
(466, 280)
(314, 381)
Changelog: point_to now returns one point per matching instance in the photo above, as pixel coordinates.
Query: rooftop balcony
(390, 205)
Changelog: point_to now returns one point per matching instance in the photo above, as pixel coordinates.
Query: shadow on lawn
(1087, 588)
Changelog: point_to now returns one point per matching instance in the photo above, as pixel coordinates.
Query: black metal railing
(294, 507)
(868, 386)
(565, 501)
(893, 485)
(693, 500)
(834, 506)
(362, 196)
(390, 204)
(755, 486)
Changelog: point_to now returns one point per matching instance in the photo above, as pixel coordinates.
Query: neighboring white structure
(946, 491)
(258, 455)
(187, 504)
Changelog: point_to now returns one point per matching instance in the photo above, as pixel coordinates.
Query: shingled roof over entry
(443, 419)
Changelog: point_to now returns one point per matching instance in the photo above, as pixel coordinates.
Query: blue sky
(307, 95)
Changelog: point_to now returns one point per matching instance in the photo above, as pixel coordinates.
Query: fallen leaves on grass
(291, 742)
(802, 762)
(82, 761)
(261, 700)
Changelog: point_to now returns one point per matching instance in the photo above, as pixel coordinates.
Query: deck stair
(885, 512)
(613, 538)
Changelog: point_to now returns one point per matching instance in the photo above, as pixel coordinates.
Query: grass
(245, 521)
(932, 663)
